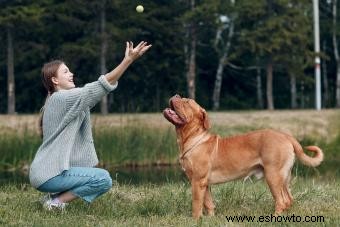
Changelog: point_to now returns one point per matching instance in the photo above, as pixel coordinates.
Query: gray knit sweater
(67, 140)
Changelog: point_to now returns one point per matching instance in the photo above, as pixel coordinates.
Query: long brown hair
(48, 71)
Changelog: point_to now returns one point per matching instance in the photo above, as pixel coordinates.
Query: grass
(146, 139)
(170, 205)
(135, 145)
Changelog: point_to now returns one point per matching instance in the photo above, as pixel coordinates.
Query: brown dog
(209, 159)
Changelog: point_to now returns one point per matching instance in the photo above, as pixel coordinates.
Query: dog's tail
(305, 159)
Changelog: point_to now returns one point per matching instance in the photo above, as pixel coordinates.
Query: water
(133, 176)
(12, 178)
(166, 174)
(152, 175)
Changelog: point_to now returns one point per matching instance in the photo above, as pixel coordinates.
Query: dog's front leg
(198, 191)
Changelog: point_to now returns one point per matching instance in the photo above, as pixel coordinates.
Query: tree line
(226, 54)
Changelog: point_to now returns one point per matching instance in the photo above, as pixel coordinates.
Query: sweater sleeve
(79, 99)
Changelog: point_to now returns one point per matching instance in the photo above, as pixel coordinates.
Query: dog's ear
(206, 122)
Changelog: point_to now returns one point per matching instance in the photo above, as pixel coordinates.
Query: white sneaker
(49, 204)
(46, 197)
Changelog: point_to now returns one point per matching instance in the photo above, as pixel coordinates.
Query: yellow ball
(140, 9)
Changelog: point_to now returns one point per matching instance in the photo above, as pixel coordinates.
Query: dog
(208, 159)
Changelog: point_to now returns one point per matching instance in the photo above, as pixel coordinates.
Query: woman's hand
(132, 54)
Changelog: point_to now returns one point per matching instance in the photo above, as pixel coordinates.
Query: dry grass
(319, 124)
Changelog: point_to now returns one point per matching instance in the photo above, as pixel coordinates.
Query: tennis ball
(140, 9)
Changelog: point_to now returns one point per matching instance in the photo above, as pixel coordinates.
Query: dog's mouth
(171, 115)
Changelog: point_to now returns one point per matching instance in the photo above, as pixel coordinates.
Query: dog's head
(186, 112)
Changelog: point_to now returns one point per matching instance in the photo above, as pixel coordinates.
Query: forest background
(227, 54)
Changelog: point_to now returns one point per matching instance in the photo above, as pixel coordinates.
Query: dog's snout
(177, 96)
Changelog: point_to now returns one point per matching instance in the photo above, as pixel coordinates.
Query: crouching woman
(64, 165)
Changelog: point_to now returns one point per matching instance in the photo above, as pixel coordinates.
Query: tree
(103, 51)
(326, 96)
(336, 54)
(327, 54)
(222, 44)
(232, 71)
(274, 26)
(10, 73)
(13, 18)
(190, 27)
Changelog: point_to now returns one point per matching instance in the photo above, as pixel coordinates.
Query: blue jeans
(84, 182)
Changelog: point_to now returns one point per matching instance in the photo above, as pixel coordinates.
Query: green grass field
(170, 205)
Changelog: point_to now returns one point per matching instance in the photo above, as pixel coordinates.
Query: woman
(64, 163)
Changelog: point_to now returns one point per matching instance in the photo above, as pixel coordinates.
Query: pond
(134, 176)
(173, 173)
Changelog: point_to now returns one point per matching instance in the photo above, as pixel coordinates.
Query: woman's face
(64, 78)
